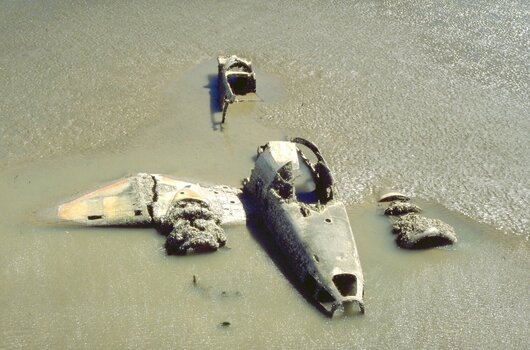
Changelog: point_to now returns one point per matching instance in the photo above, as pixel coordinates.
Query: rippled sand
(430, 98)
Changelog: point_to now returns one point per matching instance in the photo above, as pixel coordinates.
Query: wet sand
(97, 93)
(68, 286)
(84, 288)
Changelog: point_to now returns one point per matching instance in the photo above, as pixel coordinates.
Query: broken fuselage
(296, 201)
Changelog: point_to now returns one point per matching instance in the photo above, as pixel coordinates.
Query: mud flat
(66, 286)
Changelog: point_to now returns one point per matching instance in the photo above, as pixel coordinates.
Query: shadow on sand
(214, 101)
(260, 233)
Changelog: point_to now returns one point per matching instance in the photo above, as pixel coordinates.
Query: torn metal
(189, 215)
(297, 201)
(236, 80)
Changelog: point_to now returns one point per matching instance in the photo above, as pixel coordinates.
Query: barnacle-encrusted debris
(417, 232)
(397, 208)
(195, 226)
(189, 215)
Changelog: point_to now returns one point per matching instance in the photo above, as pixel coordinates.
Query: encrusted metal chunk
(236, 80)
(418, 232)
(397, 208)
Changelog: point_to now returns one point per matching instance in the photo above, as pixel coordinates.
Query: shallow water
(427, 98)
(84, 288)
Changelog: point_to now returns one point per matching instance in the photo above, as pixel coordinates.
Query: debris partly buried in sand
(195, 226)
(236, 81)
(189, 215)
(417, 232)
(296, 198)
(397, 208)
(394, 196)
(297, 202)
(226, 294)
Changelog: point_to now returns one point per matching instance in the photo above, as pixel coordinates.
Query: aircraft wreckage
(189, 214)
(293, 196)
(236, 80)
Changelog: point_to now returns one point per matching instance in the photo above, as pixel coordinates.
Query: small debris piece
(398, 208)
(394, 196)
(418, 232)
(194, 280)
(230, 294)
(236, 78)
(225, 324)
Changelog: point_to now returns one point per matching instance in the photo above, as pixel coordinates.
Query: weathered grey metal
(311, 227)
(169, 205)
(236, 79)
